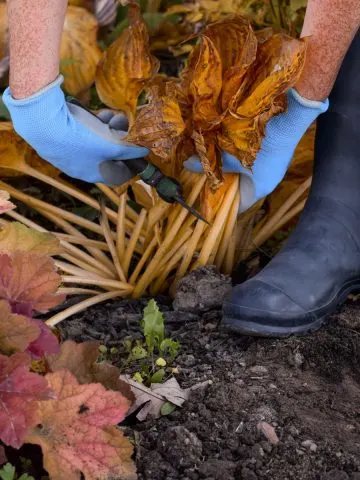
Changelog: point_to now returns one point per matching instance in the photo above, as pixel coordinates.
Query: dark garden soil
(307, 388)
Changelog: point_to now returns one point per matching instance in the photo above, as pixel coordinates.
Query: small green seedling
(155, 353)
(8, 473)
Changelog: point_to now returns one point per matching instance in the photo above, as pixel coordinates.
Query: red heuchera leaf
(45, 344)
(16, 331)
(81, 359)
(76, 428)
(29, 279)
(20, 392)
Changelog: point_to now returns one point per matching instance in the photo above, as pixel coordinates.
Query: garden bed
(306, 388)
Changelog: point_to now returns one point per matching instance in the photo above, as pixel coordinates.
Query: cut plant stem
(85, 242)
(78, 272)
(264, 235)
(77, 291)
(133, 240)
(79, 307)
(144, 258)
(229, 228)
(107, 234)
(120, 228)
(275, 219)
(69, 190)
(212, 236)
(151, 269)
(101, 282)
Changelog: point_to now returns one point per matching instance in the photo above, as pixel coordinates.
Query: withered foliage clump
(234, 82)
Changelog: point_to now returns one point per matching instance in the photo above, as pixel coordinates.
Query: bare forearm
(35, 29)
(331, 24)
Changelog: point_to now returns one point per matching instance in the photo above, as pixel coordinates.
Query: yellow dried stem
(77, 291)
(104, 221)
(176, 245)
(90, 201)
(78, 272)
(96, 257)
(229, 228)
(85, 242)
(79, 307)
(120, 228)
(146, 278)
(67, 227)
(101, 282)
(133, 240)
(142, 261)
(230, 255)
(39, 204)
(212, 237)
(84, 265)
(171, 265)
(70, 248)
(189, 254)
(269, 226)
(268, 233)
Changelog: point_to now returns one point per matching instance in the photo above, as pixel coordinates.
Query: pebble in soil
(306, 389)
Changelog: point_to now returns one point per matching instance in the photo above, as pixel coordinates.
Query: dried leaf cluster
(234, 83)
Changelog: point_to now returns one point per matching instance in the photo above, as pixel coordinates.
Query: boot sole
(321, 317)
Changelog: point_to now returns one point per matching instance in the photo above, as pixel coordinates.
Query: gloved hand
(69, 137)
(282, 134)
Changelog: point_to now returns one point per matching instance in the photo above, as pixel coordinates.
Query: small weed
(156, 353)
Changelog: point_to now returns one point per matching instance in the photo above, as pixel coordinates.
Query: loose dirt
(305, 391)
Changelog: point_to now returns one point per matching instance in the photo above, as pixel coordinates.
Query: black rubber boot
(320, 264)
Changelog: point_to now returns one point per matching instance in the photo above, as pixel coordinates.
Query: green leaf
(158, 376)
(138, 378)
(7, 472)
(169, 347)
(167, 408)
(153, 326)
(137, 353)
(25, 476)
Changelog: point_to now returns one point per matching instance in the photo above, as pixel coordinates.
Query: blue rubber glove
(282, 134)
(69, 137)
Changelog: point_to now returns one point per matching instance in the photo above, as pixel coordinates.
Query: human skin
(35, 32)
(331, 26)
(35, 28)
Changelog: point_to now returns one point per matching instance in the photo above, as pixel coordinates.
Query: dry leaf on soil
(81, 360)
(152, 399)
(29, 280)
(20, 392)
(79, 53)
(77, 427)
(16, 331)
(16, 237)
(126, 66)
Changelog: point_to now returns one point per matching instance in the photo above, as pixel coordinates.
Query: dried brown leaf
(206, 85)
(241, 137)
(158, 126)
(210, 157)
(278, 65)
(126, 66)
